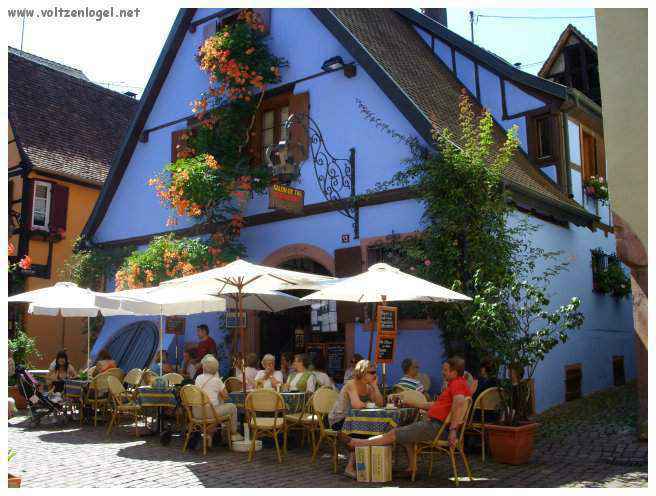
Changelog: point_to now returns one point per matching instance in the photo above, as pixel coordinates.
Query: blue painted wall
(298, 36)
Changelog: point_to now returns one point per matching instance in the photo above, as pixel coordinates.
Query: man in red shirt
(451, 400)
(206, 345)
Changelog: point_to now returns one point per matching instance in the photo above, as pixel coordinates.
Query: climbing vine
(212, 177)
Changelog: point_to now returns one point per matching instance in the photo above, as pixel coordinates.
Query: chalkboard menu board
(385, 349)
(386, 318)
(335, 354)
(175, 325)
(313, 350)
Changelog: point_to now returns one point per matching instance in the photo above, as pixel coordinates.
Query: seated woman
(287, 365)
(323, 379)
(166, 367)
(269, 378)
(356, 393)
(59, 371)
(250, 371)
(210, 382)
(301, 379)
(189, 363)
(410, 379)
(104, 362)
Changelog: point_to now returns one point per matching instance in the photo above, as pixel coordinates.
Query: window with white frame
(41, 205)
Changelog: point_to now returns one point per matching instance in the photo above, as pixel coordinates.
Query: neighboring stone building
(63, 132)
(622, 35)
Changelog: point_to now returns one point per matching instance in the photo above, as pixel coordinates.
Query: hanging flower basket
(596, 187)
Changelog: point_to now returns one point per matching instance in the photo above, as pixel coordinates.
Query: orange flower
(11, 249)
(250, 50)
(25, 263)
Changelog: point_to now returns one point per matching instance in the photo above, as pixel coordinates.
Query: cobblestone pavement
(593, 454)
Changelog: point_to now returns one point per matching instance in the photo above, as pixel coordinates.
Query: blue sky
(122, 55)
(521, 40)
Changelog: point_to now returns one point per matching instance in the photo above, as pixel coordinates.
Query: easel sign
(386, 322)
(232, 319)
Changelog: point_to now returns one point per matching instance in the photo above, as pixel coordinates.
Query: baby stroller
(38, 404)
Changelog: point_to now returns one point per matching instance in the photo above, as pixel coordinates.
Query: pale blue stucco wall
(298, 36)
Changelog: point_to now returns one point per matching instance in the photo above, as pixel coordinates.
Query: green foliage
(609, 277)
(88, 267)
(23, 348)
(465, 229)
(167, 257)
(11, 454)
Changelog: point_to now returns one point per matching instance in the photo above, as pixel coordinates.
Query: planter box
(13, 481)
(512, 445)
(21, 402)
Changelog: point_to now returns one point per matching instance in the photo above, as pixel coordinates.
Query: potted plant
(22, 347)
(513, 322)
(13, 481)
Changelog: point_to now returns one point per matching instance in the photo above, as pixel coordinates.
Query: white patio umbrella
(241, 277)
(383, 283)
(170, 300)
(68, 300)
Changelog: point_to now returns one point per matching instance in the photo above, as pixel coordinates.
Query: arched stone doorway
(279, 332)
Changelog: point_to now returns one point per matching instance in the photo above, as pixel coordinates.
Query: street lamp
(336, 64)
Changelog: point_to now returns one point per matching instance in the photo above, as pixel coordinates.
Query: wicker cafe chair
(115, 372)
(173, 379)
(488, 401)
(121, 403)
(192, 396)
(265, 401)
(304, 421)
(233, 384)
(439, 445)
(97, 397)
(322, 403)
(132, 379)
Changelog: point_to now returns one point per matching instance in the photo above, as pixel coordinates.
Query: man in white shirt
(210, 382)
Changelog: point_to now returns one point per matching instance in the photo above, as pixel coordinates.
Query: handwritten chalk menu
(232, 319)
(386, 319)
(175, 325)
(335, 353)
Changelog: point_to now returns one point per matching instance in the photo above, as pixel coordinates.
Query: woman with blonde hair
(356, 393)
(210, 382)
(269, 378)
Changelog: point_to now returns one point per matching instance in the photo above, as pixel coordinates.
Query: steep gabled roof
(425, 90)
(388, 48)
(498, 64)
(560, 44)
(65, 124)
(67, 69)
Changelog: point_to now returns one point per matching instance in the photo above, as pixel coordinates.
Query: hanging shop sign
(286, 198)
(386, 323)
(175, 325)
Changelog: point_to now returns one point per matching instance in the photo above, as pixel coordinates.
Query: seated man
(410, 379)
(452, 400)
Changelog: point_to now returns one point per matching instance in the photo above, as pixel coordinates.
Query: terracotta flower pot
(13, 481)
(21, 401)
(512, 444)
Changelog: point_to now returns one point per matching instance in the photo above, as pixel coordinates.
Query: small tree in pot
(514, 323)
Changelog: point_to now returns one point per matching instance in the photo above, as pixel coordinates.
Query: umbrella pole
(63, 342)
(88, 341)
(161, 339)
(242, 332)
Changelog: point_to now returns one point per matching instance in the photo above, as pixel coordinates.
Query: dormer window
(41, 205)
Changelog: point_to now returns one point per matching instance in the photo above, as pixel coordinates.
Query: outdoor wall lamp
(337, 64)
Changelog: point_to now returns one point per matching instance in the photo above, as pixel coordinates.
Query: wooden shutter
(28, 204)
(176, 141)
(58, 207)
(348, 262)
(299, 105)
(265, 17)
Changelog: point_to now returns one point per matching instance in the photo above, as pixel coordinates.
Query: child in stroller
(38, 404)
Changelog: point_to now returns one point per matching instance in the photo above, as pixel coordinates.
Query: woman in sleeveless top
(355, 394)
(301, 379)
